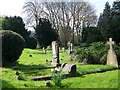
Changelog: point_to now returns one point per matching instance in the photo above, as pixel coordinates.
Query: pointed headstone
(111, 56)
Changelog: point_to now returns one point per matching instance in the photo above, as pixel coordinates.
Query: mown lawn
(38, 60)
(100, 80)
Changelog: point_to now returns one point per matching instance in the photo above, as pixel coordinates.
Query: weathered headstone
(38, 46)
(70, 48)
(111, 56)
(72, 57)
(63, 49)
(44, 50)
(55, 53)
(69, 68)
(68, 44)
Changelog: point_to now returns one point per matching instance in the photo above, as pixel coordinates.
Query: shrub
(31, 43)
(95, 53)
(12, 46)
(57, 77)
(117, 51)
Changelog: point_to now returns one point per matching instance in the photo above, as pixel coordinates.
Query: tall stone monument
(111, 56)
(70, 48)
(55, 53)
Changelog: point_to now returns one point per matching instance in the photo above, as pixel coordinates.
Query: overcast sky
(14, 7)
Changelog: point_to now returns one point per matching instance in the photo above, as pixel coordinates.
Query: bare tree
(34, 10)
(63, 16)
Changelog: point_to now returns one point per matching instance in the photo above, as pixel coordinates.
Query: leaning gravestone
(72, 57)
(55, 53)
(111, 56)
(69, 68)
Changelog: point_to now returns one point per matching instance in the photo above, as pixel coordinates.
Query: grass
(38, 60)
(100, 80)
(38, 57)
(91, 68)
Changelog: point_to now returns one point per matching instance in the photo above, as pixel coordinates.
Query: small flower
(57, 69)
(52, 70)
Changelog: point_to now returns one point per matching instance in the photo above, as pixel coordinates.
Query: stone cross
(111, 56)
(55, 53)
(110, 42)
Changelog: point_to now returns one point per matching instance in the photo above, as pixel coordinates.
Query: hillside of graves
(35, 63)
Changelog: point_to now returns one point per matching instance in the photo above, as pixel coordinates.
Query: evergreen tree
(91, 34)
(15, 24)
(104, 22)
(45, 33)
(115, 21)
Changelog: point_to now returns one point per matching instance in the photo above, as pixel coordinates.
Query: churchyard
(37, 64)
(60, 45)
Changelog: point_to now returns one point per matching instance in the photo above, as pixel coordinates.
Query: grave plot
(33, 68)
(36, 71)
(111, 56)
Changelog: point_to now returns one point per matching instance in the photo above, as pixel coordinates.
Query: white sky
(11, 7)
(100, 4)
(14, 7)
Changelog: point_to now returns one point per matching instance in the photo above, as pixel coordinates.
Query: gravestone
(63, 49)
(68, 44)
(55, 53)
(59, 48)
(70, 48)
(111, 56)
(69, 68)
(44, 50)
(72, 57)
(38, 45)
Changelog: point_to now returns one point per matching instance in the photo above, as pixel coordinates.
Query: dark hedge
(12, 46)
